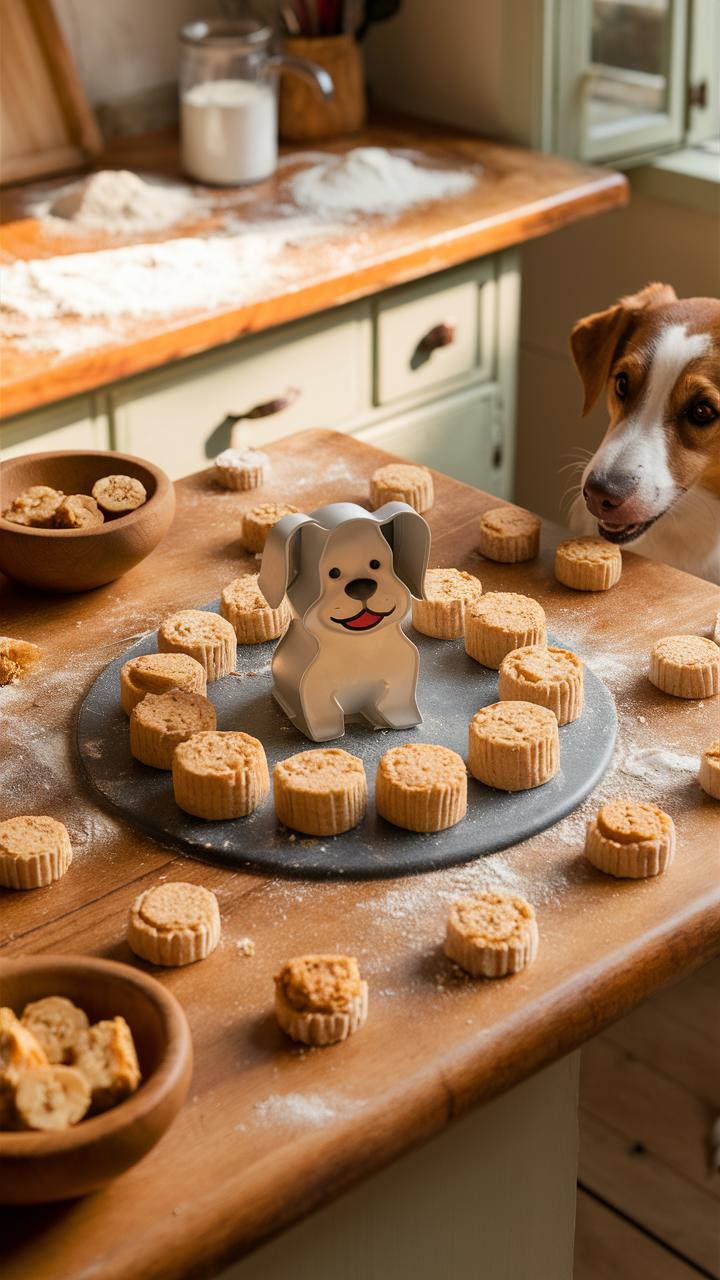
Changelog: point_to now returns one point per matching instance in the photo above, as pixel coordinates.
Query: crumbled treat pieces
(509, 535)
(19, 1049)
(248, 612)
(402, 482)
(421, 787)
(241, 469)
(258, 521)
(686, 666)
(513, 746)
(116, 495)
(220, 775)
(630, 839)
(107, 1059)
(709, 774)
(34, 851)
(50, 1098)
(321, 792)
(159, 673)
(78, 511)
(17, 659)
(448, 592)
(588, 564)
(320, 999)
(245, 946)
(502, 621)
(163, 720)
(58, 1026)
(204, 636)
(549, 676)
(174, 924)
(491, 935)
(35, 507)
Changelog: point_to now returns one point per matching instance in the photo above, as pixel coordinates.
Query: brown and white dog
(654, 482)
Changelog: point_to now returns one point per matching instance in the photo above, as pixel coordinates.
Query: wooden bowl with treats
(73, 520)
(38, 1165)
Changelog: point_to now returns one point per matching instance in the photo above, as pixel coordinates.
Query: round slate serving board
(451, 689)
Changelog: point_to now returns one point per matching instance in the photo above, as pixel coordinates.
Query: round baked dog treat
(402, 482)
(204, 636)
(491, 934)
(321, 792)
(588, 564)
(34, 851)
(513, 746)
(163, 720)
(241, 469)
(421, 786)
(117, 495)
(509, 535)
(78, 511)
(35, 507)
(630, 839)
(159, 673)
(58, 1026)
(174, 924)
(249, 613)
(220, 775)
(51, 1098)
(686, 666)
(502, 621)
(709, 774)
(548, 676)
(17, 659)
(448, 593)
(258, 521)
(108, 1060)
(320, 1000)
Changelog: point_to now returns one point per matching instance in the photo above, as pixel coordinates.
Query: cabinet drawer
(178, 418)
(75, 425)
(434, 331)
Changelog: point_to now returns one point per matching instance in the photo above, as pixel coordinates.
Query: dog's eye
(374, 564)
(334, 573)
(621, 386)
(702, 414)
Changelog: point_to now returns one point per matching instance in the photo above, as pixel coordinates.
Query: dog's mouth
(365, 620)
(621, 533)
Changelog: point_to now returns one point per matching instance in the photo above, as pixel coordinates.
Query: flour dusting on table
(373, 180)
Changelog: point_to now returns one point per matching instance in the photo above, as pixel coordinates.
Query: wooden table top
(271, 1131)
(519, 195)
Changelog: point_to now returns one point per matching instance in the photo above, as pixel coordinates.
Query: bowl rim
(158, 1085)
(163, 485)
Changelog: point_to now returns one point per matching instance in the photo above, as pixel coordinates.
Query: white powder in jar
(229, 131)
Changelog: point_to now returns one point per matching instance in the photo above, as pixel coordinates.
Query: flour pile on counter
(122, 203)
(373, 180)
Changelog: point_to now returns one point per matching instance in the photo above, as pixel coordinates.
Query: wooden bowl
(39, 1167)
(78, 559)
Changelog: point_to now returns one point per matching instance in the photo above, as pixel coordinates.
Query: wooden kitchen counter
(518, 195)
(244, 1159)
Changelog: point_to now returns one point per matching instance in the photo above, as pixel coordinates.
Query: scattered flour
(658, 766)
(304, 1108)
(373, 180)
(122, 203)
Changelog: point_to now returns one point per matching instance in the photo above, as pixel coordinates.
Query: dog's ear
(595, 338)
(281, 557)
(409, 537)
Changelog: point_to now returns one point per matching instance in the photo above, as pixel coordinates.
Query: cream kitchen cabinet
(72, 424)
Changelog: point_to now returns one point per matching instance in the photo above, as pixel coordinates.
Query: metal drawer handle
(223, 435)
(441, 335)
(269, 407)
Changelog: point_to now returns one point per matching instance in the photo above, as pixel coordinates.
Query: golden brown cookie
(116, 495)
(51, 1098)
(78, 511)
(588, 564)
(241, 469)
(34, 851)
(248, 612)
(34, 507)
(159, 673)
(709, 774)
(686, 666)
(513, 746)
(448, 593)
(549, 676)
(19, 1049)
(321, 792)
(17, 659)
(58, 1026)
(163, 720)
(491, 934)
(502, 621)
(421, 787)
(509, 535)
(630, 839)
(203, 636)
(220, 775)
(320, 1000)
(258, 521)
(174, 924)
(402, 482)
(106, 1057)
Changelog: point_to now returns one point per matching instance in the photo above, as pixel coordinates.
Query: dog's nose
(602, 495)
(361, 588)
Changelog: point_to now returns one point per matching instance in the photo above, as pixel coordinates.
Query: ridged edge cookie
(320, 1029)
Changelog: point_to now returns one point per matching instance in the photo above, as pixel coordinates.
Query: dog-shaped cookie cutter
(349, 575)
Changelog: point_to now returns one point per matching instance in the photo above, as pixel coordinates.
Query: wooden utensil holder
(304, 115)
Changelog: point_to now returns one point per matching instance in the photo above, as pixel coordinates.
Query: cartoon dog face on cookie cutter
(349, 575)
